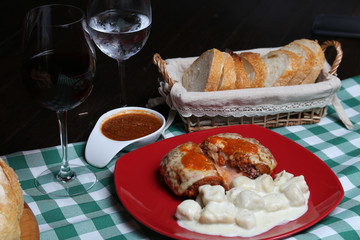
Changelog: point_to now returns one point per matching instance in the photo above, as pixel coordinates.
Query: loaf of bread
(299, 62)
(11, 203)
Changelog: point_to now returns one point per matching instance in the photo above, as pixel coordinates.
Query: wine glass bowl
(64, 84)
(120, 29)
(58, 70)
(119, 41)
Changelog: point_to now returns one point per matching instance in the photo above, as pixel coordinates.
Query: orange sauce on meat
(232, 146)
(130, 126)
(195, 159)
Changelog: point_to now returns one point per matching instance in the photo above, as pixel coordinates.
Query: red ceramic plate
(144, 194)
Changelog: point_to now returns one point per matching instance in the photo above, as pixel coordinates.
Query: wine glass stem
(121, 68)
(65, 174)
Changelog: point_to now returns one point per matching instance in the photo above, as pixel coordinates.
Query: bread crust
(288, 74)
(259, 68)
(11, 203)
(242, 79)
(228, 76)
(319, 59)
(205, 72)
(215, 71)
(306, 63)
(282, 65)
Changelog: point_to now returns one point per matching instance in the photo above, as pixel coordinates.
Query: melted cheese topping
(185, 165)
(233, 145)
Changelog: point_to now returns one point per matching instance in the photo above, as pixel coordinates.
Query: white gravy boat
(100, 150)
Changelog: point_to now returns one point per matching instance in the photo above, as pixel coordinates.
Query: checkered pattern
(100, 215)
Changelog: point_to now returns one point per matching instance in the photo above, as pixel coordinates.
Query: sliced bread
(205, 72)
(282, 65)
(306, 63)
(319, 59)
(242, 79)
(228, 76)
(299, 62)
(255, 68)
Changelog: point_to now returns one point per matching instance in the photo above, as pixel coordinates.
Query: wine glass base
(48, 183)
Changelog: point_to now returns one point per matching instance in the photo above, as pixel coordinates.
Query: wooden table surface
(179, 29)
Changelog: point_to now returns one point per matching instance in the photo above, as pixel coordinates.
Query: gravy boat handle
(99, 151)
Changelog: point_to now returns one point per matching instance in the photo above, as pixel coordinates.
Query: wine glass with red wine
(120, 29)
(58, 71)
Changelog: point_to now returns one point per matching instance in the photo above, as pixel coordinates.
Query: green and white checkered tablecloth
(100, 215)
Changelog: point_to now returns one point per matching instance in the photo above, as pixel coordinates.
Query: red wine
(59, 81)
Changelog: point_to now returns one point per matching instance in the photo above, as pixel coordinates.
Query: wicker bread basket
(288, 116)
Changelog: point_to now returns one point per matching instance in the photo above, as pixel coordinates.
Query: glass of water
(119, 28)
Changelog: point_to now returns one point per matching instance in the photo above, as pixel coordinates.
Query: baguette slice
(228, 76)
(306, 64)
(205, 72)
(255, 68)
(319, 59)
(242, 79)
(282, 65)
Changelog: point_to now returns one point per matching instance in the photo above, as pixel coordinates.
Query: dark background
(180, 29)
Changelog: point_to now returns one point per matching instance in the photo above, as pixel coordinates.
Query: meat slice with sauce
(216, 161)
(233, 155)
(186, 167)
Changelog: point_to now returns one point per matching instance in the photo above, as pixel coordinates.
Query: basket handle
(161, 64)
(336, 102)
(339, 54)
